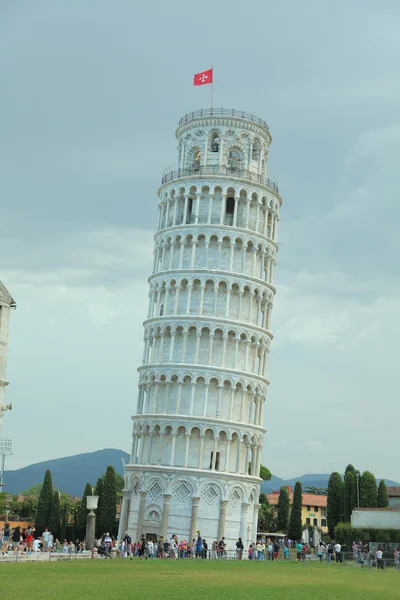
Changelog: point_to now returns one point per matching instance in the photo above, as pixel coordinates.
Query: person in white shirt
(150, 549)
(379, 558)
(173, 547)
(338, 552)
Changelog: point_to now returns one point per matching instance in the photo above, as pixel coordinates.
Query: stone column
(90, 530)
(243, 524)
(200, 464)
(165, 516)
(123, 521)
(220, 388)
(187, 442)
(222, 519)
(228, 449)
(172, 459)
(195, 512)
(255, 521)
(142, 506)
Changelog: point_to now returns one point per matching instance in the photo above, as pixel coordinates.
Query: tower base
(160, 502)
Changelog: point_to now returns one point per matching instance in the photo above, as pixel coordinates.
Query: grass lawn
(194, 580)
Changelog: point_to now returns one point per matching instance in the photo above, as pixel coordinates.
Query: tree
(55, 515)
(368, 490)
(265, 473)
(349, 495)
(295, 529)
(44, 504)
(382, 500)
(266, 517)
(100, 527)
(283, 509)
(110, 499)
(34, 490)
(83, 513)
(334, 501)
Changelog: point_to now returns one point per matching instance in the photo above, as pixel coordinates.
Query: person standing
(321, 550)
(205, 549)
(221, 548)
(299, 550)
(6, 537)
(379, 558)
(16, 539)
(396, 557)
(338, 552)
(199, 547)
(277, 549)
(45, 540)
(150, 549)
(173, 544)
(128, 542)
(29, 539)
(51, 539)
(239, 549)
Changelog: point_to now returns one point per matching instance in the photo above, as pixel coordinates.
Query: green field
(195, 580)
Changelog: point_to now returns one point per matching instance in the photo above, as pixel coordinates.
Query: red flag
(203, 78)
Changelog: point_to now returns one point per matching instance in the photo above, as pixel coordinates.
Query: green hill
(70, 473)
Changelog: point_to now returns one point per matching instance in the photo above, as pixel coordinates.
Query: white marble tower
(6, 303)
(203, 381)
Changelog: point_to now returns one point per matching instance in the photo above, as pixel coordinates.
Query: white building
(203, 381)
(6, 303)
(378, 518)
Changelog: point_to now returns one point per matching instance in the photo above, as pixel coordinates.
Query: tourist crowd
(25, 541)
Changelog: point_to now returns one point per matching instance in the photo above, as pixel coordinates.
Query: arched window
(255, 153)
(214, 141)
(234, 160)
(196, 160)
(229, 210)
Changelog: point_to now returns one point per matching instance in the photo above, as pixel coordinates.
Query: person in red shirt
(29, 539)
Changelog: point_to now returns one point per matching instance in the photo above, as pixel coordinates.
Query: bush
(346, 534)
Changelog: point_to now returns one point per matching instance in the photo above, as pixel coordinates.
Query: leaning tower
(198, 432)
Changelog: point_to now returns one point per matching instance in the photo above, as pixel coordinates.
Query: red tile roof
(393, 490)
(308, 499)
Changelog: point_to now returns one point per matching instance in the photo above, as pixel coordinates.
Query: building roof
(5, 296)
(308, 499)
(393, 490)
(377, 509)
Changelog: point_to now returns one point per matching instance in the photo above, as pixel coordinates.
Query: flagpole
(212, 86)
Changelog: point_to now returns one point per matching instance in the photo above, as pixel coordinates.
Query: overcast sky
(91, 93)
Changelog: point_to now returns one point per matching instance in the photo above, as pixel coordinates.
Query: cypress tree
(44, 504)
(283, 508)
(349, 495)
(99, 491)
(382, 496)
(83, 513)
(295, 530)
(334, 501)
(110, 499)
(55, 515)
(368, 490)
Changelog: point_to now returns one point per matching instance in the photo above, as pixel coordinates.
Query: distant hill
(309, 480)
(70, 473)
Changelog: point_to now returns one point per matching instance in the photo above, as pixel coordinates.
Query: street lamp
(91, 505)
